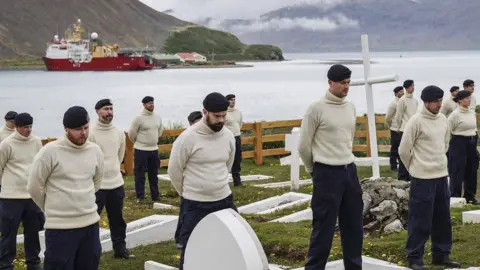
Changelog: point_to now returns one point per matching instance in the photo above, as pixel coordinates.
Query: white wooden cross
(291, 144)
(368, 81)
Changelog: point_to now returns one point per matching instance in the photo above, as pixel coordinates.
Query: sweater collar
(231, 109)
(103, 126)
(204, 129)
(332, 99)
(20, 137)
(8, 129)
(407, 95)
(68, 143)
(427, 114)
(146, 112)
(463, 110)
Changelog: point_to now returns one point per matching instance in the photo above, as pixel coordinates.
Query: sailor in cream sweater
(199, 163)
(234, 123)
(7, 129)
(16, 155)
(326, 138)
(422, 150)
(112, 193)
(9, 126)
(462, 153)
(449, 105)
(407, 106)
(469, 85)
(144, 133)
(394, 134)
(63, 179)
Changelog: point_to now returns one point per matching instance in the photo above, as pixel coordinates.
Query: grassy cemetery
(285, 244)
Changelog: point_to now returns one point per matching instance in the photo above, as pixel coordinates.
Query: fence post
(257, 127)
(367, 137)
(128, 159)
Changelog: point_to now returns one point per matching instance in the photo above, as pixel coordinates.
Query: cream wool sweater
(145, 131)
(462, 122)
(424, 144)
(5, 132)
(63, 180)
(448, 106)
(112, 142)
(390, 116)
(16, 156)
(473, 102)
(234, 121)
(407, 106)
(200, 161)
(327, 132)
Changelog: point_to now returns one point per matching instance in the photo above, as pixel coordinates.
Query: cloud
(195, 10)
(278, 24)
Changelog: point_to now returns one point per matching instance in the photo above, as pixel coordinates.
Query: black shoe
(446, 262)
(122, 254)
(472, 201)
(416, 266)
(236, 184)
(394, 169)
(140, 200)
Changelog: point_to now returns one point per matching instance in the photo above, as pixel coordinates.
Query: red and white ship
(75, 52)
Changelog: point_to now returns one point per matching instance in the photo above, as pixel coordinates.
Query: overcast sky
(192, 10)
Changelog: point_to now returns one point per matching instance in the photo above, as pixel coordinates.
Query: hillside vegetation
(27, 25)
(221, 45)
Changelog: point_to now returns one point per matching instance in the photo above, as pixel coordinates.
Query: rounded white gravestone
(224, 240)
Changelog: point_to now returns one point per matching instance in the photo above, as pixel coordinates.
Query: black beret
(23, 119)
(407, 83)
(338, 73)
(397, 89)
(147, 99)
(102, 103)
(215, 102)
(454, 88)
(468, 82)
(461, 95)
(230, 96)
(194, 116)
(75, 117)
(431, 93)
(10, 115)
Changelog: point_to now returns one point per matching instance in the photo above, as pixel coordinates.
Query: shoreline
(43, 68)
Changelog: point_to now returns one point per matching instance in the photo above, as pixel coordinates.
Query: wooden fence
(258, 134)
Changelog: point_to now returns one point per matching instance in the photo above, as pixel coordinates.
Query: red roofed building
(186, 57)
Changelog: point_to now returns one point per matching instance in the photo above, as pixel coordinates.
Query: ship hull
(98, 64)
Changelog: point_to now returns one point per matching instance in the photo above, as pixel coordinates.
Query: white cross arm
(375, 80)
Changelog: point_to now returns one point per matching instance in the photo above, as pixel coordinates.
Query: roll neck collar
(464, 110)
(146, 112)
(332, 99)
(20, 137)
(104, 126)
(407, 95)
(231, 109)
(68, 143)
(426, 113)
(8, 129)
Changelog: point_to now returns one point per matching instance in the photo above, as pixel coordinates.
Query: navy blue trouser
(179, 223)
(429, 215)
(72, 249)
(336, 193)
(146, 161)
(394, 144)
(462, 166)
(402, 170)
(236, 167)
(112, 200)
(12, 212)
(194, 212)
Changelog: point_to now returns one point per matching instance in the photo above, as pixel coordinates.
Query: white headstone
(291, 144)
(224, 240)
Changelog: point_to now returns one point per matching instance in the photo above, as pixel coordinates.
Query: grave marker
(291, 144)
(232, 244)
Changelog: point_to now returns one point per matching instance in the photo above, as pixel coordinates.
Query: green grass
(284, 244)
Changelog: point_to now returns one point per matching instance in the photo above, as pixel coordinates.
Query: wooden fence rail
(258, 133)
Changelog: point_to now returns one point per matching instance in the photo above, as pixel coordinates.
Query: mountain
(27, 25)
(392, 25)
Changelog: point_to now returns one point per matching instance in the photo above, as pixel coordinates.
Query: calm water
(268, 91)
